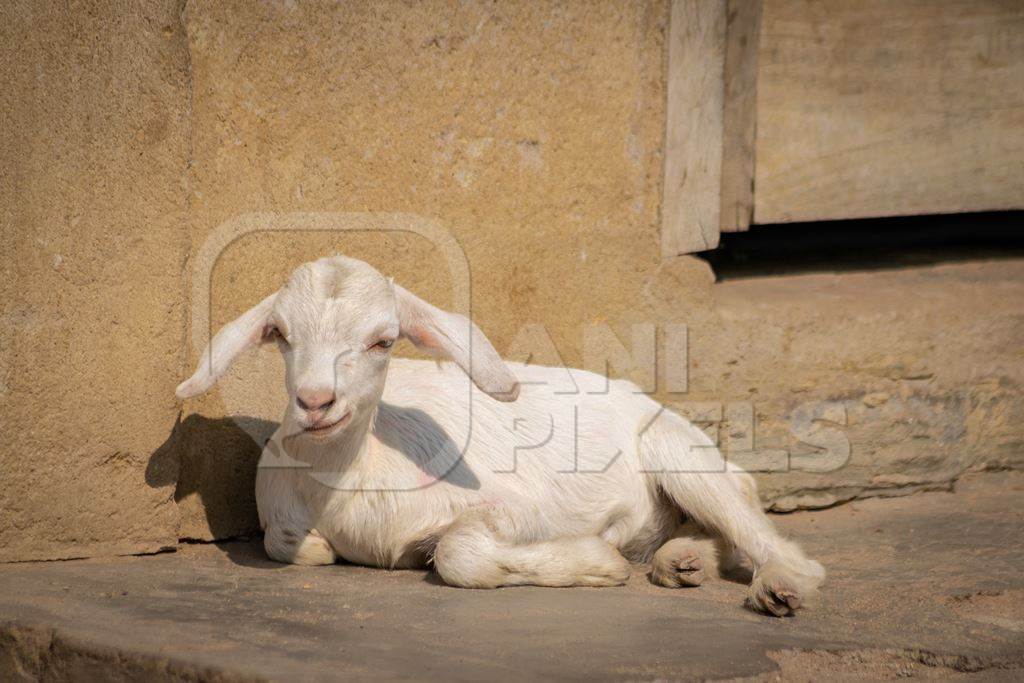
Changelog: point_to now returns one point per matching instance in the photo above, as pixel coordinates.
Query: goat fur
(489, 471)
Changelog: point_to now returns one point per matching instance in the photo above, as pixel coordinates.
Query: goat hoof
(780, 592)
(780, 603)
(683, 570)
(689, 570)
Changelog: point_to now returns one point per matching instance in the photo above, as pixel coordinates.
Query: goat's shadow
(212, 464)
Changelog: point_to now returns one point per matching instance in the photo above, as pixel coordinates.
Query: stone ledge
(926, 584)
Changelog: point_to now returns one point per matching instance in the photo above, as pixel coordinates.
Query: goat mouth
(322, 430)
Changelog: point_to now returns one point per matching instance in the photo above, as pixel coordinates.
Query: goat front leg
(482, 549)
(296, 545)
(289, 536)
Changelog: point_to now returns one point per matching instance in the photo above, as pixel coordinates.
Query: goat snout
(315, 400)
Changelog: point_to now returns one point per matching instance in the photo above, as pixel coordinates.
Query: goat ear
(459, 339)
(244, 332)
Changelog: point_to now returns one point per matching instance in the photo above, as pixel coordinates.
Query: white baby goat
(511, 482)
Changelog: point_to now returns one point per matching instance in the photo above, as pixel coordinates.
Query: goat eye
(384, 344)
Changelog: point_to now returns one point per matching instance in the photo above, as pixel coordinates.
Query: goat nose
(314, 399)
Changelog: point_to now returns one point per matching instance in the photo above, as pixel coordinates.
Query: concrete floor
(925, 586)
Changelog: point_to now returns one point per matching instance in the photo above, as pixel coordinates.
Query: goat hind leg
(480, 550)
(691, 471)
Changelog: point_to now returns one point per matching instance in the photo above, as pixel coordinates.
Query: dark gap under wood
(867, 244)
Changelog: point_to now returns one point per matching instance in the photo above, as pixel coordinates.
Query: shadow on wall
(212, 463)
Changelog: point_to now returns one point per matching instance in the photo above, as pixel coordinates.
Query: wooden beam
(739, 120)
(691, 209)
